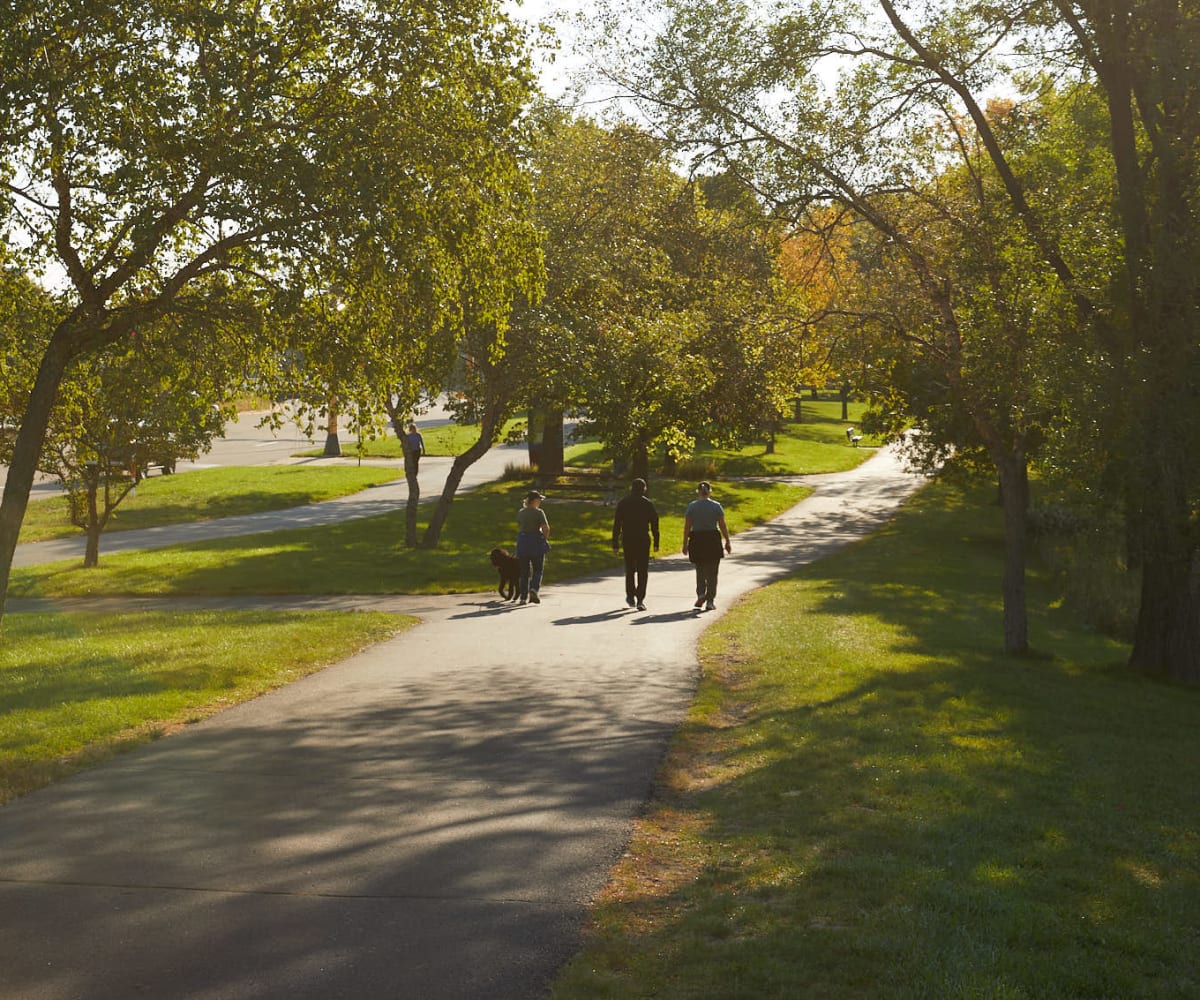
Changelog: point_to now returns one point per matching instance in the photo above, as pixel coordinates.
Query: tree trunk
(26, 450)
(1167, 634)
(91, 554)
(1014, 493)
(845, 394)
(552, 459)
(333, 448)
(494, 413)
(414, 497)
(639, 465)
(441, 509)
(399, 421)
(535, 435)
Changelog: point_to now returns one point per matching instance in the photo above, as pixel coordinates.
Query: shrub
(696, 468)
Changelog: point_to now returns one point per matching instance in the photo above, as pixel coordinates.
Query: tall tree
(755, 91)
(600, 197)
(662, 316)
(1143, 57)
(146, 145)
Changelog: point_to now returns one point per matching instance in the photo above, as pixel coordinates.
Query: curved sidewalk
(428, 819)
(378, 500)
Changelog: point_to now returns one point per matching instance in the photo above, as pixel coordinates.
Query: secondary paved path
(426, 820)
(381, 499)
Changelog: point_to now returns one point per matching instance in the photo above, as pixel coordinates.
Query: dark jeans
(637, 570)
(706, 579)
(531, 573)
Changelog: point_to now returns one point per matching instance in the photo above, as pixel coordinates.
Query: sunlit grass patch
(817, 443)
(211, 493)
(368, 555)
(76, 688)
(872, 800)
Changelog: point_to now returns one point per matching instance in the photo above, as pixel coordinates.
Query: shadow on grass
(898, 810)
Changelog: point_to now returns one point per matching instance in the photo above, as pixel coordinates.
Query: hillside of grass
(870, 800)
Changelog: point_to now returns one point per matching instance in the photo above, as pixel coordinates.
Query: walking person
(703, 529)
(635, 522)
(533, 542)
(416, 446)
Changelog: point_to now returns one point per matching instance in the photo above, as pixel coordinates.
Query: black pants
(637, 569)
(706, 579)
(704, 550)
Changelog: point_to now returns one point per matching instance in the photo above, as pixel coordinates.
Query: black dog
(510, 572)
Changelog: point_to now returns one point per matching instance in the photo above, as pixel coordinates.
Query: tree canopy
(866, 109)
(147, 146)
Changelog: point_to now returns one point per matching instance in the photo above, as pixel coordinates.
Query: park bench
(576, 483)
(852, 437)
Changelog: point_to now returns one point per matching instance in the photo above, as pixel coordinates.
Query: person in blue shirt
(703, 529)
(416, 446)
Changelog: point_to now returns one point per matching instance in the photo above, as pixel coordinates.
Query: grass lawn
(210, 493)
(77, 688)
(870, 800)
(816, 444)
(445, 439)
(367, 556)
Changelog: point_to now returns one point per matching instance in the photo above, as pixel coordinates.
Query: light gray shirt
(705, 514)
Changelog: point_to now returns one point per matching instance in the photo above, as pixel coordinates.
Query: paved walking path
(426, 820)
(379, 500)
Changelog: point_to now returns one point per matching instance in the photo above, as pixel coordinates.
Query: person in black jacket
(634, 523)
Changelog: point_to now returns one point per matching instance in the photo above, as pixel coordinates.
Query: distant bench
(852, 437)
(575, 483)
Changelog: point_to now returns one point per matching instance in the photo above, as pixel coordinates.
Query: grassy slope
(870, 800)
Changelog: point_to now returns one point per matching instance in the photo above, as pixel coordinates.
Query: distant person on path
(533, 542)
(703, 529)
(634, 522)
(416, 446)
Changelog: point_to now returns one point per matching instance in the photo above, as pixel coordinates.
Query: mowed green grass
(211, 493)
(817, 443)
(368, 556)
(870, 800)
(76, 688)
(445, 439)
